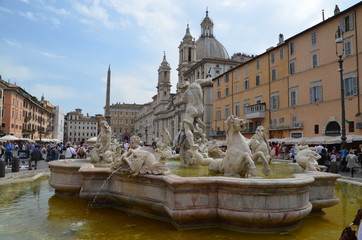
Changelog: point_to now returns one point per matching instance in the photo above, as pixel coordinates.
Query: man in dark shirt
(35, 156)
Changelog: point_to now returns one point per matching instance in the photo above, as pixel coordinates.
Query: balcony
(255, 111)
(293, 125)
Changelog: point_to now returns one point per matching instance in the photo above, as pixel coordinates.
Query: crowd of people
(348, 159)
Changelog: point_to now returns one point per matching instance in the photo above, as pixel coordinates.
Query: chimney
(336, 10)
(281, 39)
(322, 14)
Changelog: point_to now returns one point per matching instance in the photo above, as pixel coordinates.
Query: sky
(61, 49)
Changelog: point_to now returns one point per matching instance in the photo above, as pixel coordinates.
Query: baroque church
(197, 59)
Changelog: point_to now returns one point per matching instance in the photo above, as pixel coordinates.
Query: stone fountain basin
(269, 205)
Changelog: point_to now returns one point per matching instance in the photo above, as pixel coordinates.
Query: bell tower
(187, 54)
(164, 81)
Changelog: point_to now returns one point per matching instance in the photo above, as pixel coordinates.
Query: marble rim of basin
(268, 205)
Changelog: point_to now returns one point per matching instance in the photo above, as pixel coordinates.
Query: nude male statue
(192, 124)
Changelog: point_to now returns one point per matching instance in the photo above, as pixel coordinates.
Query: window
(274, 74)
(258, 100)
(218, 114)
(218, 94)
(292, 67)
(275, 123)
(316, 93)
(227, 111)
(272, 57)
(291, 48)
(226, 78)
(236, 87)
(236, 109)
(246, 69)
(294, 121)
(246, 84)
(257, 79)
(347, 23)
(348, 47)
(258, 64)
(274, 101)
(293, 97)
(246, 104)
(316, 129)
(226, 91)
(281, 53)
(314, 59)
(314, 38)
(218, 82)
(350, 86)
(236, 74)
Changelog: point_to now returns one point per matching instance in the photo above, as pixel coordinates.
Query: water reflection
(33, 211)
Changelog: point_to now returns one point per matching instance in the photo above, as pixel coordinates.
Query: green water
(33, 211)
(277, 170)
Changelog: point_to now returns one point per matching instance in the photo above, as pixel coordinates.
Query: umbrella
(9, 137)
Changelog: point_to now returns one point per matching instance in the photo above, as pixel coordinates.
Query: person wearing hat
(35, 156)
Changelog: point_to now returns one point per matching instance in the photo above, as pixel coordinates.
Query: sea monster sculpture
(163, 146)
(139, 161)
(307, 158)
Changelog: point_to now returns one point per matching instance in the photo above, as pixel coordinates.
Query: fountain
(136, 181)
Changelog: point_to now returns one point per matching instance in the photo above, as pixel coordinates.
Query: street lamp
(340, 53)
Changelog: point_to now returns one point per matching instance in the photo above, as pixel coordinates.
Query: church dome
(207, 46)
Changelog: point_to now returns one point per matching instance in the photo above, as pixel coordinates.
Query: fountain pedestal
(269, 205)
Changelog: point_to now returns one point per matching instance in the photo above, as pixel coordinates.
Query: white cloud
(12, 43)
(6, 10)
(52, 55)
(40, 17)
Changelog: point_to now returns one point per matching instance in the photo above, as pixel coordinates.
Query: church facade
(197, 59)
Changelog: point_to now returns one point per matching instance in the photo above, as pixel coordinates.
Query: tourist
(319, 149)
(69, 152)
(293, 152)
(323, 161)
(8, 147)
(352, 161)
(276, 149)
(81, 152)
(283, 151)
(343, 156)
(35, 156)
(360, 152)
(53, 153)
(125, 145)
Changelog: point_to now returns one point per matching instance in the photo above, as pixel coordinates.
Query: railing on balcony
(293, 125)
(255, 111)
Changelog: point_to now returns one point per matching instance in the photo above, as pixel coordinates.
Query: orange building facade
(294, 89)
(23, 116)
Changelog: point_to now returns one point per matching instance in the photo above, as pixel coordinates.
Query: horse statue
(238, 160)
(260, 149)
